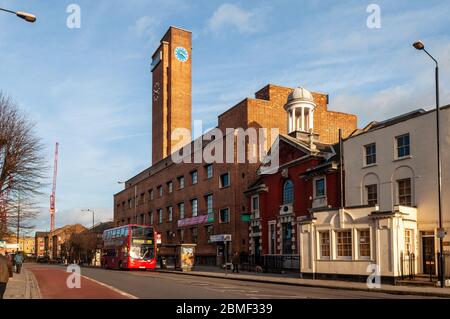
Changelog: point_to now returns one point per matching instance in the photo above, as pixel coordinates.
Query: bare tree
(21, 167)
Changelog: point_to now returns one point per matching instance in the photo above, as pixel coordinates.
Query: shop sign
(220, 238)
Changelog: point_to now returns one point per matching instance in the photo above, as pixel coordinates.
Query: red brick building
(307, 180)
(203, 202)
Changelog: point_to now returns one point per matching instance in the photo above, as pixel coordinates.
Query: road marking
(123, 293)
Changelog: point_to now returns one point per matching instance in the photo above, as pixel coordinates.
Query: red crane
(52, 196)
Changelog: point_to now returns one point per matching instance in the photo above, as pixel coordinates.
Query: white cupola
(300, 111)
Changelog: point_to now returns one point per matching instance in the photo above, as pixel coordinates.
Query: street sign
(441, 233)
(246, 217)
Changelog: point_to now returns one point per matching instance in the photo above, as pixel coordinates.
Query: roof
(375, 125)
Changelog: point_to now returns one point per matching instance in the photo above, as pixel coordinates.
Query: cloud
(230, 15)
(145, 26)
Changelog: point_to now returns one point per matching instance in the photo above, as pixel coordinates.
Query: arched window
(288, 192)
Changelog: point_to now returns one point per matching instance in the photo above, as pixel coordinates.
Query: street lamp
(419, 45)
(93, 215)
(23, 15)
(135, 200)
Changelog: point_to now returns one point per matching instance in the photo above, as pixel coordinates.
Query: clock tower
(171, 90)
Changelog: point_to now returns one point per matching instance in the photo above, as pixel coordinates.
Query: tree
(21, 168)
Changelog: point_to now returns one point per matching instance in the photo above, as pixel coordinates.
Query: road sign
(441, 233)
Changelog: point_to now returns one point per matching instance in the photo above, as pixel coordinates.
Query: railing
(407, 265)
(447, 264)
(271, 263)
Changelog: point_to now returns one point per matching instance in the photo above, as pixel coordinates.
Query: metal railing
(407, 265)
(271, 263)
(447, 264)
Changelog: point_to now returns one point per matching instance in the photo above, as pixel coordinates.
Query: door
(428, 255)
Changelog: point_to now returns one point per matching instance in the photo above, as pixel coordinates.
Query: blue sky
(89, 88)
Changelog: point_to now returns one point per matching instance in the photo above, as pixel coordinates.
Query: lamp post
(135, 200)
(93, 215)
(419, 45)
(23, 15)
(93, 223)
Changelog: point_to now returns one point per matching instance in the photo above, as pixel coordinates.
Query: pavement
(294, 280)
(22, 286)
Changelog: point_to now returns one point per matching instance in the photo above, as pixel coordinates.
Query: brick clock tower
(171, 90)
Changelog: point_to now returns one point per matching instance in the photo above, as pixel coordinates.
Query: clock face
(156, 91)
(181, 54)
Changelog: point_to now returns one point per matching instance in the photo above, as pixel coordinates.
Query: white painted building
(391, 205)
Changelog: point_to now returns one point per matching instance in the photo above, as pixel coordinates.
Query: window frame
(194, 213)
(405, 146)
(194, 173)
(405, 195)
(323, 245)
(209, 170)
(221, 185)
(368, 243)
(318, 179)
(368, 194)
(370, 155)
(344, 244)
(221, 221)
(180, 215)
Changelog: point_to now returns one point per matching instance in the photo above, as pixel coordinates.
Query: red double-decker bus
(129, 247)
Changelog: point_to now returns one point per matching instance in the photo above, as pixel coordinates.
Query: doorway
(428, 255)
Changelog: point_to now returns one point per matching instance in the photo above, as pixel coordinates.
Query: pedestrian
(18, 261)
(235, 261)
(6, 272)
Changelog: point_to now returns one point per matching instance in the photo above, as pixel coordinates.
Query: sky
(89, 88)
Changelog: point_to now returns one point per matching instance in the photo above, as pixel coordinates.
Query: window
(324, 239)
(371, 154)
(404, 192)
(286, 230)
(142, 201)
(408, 241)
(160, 216)
(170, 186)
(194, 234)
(272, 241)
(319, 188)
(403, 145)
(225, 180)
(224, 215)
(364, 243)
(150, 194)
(142, 219)
(209, 203)
(181, 235)
(194, 207)
(372, 195)
(150, 217)
(255, 206)
(209, 231)
(194, 177)
(288, 192)
(344, 243)
(181, 182)
(160, 190)
(181, 210)
(209, 171)
(169, 213)
(129, 203)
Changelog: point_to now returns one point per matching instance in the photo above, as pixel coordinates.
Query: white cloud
(230, 15)
(145, 26)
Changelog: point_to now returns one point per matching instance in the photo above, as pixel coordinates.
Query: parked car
(42, 259)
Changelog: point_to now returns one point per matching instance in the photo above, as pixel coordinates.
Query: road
(100, 283)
